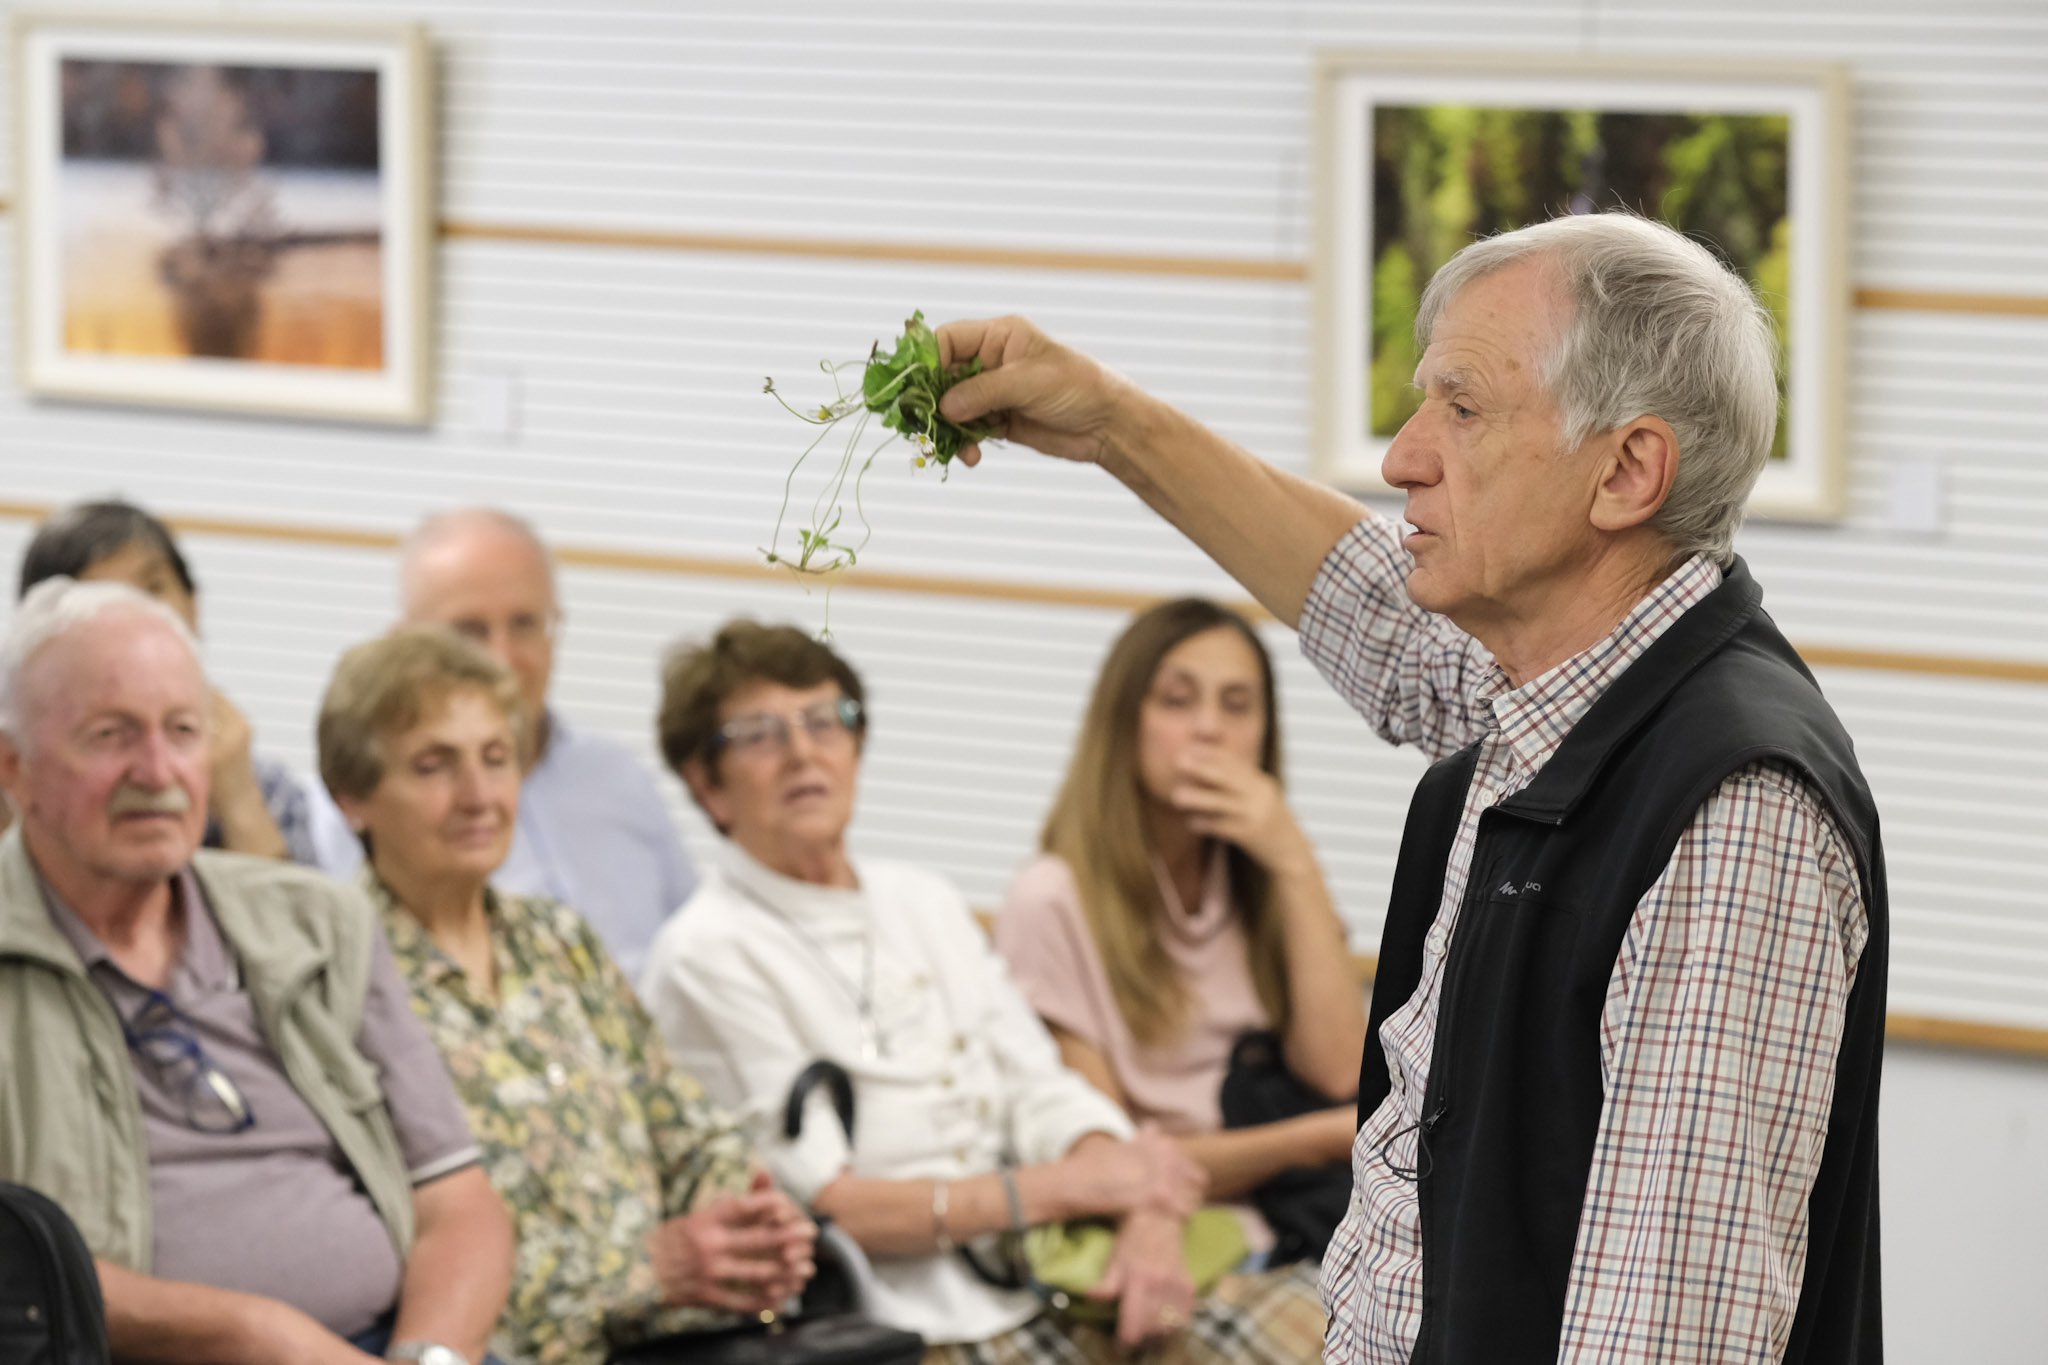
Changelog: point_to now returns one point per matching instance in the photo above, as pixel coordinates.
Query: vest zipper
(119, 1076)
(1436, 1102)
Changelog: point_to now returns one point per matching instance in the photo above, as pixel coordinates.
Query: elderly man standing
(207, 1058)
(593, 830)
(1619, 1099)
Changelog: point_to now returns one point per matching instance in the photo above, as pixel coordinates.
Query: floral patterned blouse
(589, 1136)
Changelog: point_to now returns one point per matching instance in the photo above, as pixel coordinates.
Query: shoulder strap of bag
(49, 1291)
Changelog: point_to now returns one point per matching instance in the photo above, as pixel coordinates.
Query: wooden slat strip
(1898, 1028)
(1939, 665)
(1912, 1028)
(931, 253)
(1928, 301)
(974, 589)
(1098, 262)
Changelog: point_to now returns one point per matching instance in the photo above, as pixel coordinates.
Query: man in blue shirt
(593, 829)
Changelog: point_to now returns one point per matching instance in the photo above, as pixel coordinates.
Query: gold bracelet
(941, 1196)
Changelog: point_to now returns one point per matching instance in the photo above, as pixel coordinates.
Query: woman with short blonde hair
(639, 1208)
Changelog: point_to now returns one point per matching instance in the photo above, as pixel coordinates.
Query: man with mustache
(208, 1058)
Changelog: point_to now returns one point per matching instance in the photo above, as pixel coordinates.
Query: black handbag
(51, 1312)
(837, 1339)
(1303, 1206)
(826, 1329)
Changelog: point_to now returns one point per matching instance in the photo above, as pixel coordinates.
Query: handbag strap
(821, 1072)
(1005, 1266)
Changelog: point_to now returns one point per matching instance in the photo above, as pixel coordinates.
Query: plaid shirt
(1718, 1034)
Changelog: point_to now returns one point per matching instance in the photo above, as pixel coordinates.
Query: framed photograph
(230, 215)
(1419, 154)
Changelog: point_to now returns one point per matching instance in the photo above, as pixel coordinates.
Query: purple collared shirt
(274, 1210)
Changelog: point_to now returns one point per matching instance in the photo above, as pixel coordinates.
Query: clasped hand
(745, 1253)
(1149, 1172)
(1151, 1187)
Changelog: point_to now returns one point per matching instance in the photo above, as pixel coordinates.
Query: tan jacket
(70, 1120)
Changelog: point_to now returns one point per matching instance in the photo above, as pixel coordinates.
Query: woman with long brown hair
(1178, 904)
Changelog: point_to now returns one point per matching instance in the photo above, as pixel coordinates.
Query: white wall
(1166, 128)
(1963, 1155)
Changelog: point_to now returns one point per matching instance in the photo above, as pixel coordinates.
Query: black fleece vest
(1514, 1095)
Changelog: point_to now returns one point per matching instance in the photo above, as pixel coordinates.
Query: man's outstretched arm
(1270, 530)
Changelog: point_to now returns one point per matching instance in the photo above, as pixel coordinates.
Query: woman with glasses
(1179, 906)
(965, 1123)
(638, 1207)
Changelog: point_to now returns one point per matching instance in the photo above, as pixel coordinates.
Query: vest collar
(26, 929)
(1633, 697)
(274, 965)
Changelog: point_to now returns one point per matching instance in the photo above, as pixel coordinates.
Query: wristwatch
(426, 1353)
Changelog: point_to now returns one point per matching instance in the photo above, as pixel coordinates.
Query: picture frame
(1419, 153)
(225, 214)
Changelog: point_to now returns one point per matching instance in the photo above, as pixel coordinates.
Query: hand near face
(748, 1253)
(1037, 391)
(228, 743)
(1148, 1279)
(1230, 798)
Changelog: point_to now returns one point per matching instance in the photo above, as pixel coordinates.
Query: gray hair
(54, 608)
(1659, 328)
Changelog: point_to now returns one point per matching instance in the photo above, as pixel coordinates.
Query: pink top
(1053, 957)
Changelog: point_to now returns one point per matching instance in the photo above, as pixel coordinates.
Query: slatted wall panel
(1156, 130)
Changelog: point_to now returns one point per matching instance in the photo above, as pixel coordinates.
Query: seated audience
(209, 1059)
(258, 805)
(593, 829)
(966, 1123)
(1178, 906)
(638, 1205)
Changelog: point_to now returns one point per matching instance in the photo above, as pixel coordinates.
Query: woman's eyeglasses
(768, 732)
(162, 1035)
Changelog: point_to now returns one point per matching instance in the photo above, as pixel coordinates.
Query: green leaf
(903, 387)
(924, 342)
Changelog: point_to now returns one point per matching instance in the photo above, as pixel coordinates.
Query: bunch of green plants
(902, 387)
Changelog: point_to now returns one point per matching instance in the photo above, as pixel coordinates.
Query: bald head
(485, 574)
(448, 542)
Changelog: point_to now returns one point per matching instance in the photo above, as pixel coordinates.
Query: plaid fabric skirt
(1273, 1317)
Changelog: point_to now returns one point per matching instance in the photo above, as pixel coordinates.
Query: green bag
(1069, 1259)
